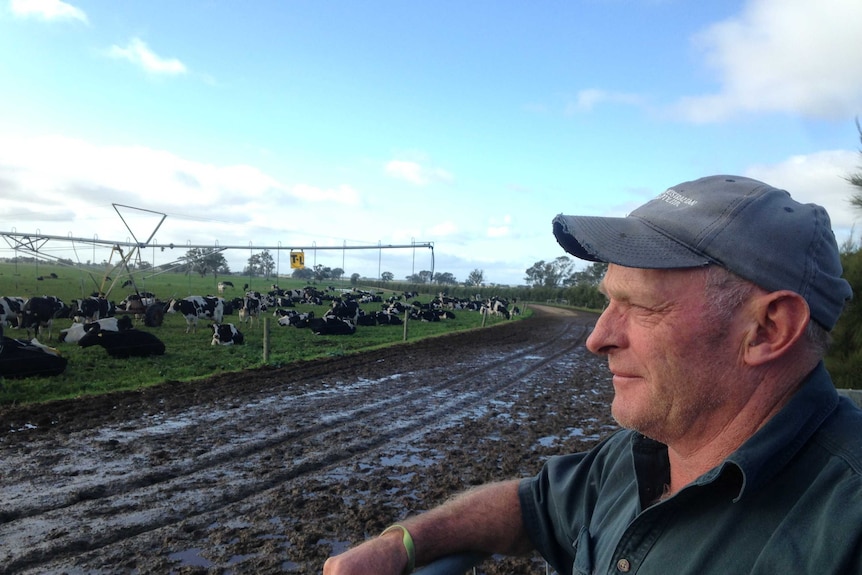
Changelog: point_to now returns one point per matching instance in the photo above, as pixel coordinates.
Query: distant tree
(204, 261)
(252, 267)
(445, 278)
(549, 274)
(322, 273)
(845, 355)
(337, 273)
(476, 278)
(387, 276)
(304, 274)
(591, 275)
(856, 179)
(267, 263)
(535, 274)
(422, 277)
(260, 264)
(354, 279)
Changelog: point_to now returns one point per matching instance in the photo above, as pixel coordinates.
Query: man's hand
(485, 520)
(384, 555)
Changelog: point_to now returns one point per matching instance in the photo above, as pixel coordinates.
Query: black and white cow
(344, 309)
(291, 317)
(28, 358)
(279, 301)
(496, 306)
(137, 303)
(331, 326)
(10, 310)
(76, 331)
(366, 319)
(431, 314)
(40, 311)
(226, 334)
(92, 309)
(395, 307)
(251, 308)
(312, 296)
(387, 318)
(122, 344)
(195, 307)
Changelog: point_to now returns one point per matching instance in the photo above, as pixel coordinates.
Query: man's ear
(779, 320)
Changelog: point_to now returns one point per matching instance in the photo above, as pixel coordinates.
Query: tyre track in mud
(107, 484)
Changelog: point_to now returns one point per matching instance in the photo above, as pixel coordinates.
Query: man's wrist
(407, 543)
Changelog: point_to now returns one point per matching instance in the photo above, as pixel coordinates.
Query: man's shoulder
(614, 449)
(841, 434)
(853, 394)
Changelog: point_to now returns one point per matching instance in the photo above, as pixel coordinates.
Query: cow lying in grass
(331, 326)
(293, 318)
(123, 344)
(226, 334)
(76, 331)
(28, 358)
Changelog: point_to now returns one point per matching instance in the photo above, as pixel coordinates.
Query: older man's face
(670, 356)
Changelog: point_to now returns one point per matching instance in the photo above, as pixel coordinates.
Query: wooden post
(406, 315)
(266, 339)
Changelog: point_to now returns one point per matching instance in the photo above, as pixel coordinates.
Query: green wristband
(407, 540)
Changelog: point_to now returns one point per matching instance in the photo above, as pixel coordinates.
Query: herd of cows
(98, 321)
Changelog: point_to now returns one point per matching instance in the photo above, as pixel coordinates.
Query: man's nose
(600, 339)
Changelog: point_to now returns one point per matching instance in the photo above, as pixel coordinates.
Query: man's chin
(626, 414)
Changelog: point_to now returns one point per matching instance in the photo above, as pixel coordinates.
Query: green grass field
(188, 356)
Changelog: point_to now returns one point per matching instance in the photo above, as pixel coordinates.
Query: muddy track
(273, 470)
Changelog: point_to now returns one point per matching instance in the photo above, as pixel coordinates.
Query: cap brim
(628, 241)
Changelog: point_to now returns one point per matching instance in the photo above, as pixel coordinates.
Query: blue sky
(465, 124)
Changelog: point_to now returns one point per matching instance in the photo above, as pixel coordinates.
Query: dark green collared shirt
(789, 500)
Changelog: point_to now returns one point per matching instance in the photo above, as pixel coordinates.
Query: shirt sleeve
(559, 503)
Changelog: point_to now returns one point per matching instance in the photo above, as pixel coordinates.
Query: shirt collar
(759, 459)
(766, 453)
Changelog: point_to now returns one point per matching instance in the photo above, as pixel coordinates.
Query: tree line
(845, 355)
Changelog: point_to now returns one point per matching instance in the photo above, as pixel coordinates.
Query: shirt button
(624, 565)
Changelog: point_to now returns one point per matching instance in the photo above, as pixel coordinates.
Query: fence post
(266, 340)
(406, 315)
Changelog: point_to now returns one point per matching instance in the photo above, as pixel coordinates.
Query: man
(738, 455)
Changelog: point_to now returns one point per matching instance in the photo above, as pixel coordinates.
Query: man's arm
(485, 519)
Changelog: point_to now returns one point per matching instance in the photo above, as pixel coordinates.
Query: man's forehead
(625, 279)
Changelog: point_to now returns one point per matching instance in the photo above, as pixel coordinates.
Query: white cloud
(68, 187)
(61, 170)
(443, 229)
(343, 194)
(416, 173)
(817, 178)
(789, 56)
(586, 100)
(137, 52)
(47, 9)
(500, 230)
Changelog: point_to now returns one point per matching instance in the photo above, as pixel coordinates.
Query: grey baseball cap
(750, 228)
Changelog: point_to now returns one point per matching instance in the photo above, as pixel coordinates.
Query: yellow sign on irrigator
(297, 260)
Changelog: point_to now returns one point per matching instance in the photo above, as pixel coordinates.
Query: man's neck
(692, 456)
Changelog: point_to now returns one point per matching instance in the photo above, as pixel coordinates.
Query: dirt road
(274, 470)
